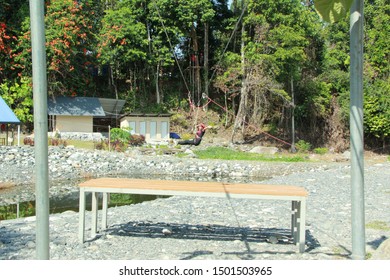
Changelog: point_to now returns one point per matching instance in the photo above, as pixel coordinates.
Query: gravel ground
(209, 228)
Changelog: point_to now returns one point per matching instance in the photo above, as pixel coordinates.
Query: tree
(69, 47)
(377, 70)
(123, 39)
(18, 96)
(281, 46)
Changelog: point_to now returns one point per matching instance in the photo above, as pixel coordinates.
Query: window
(153, 130)
(142, 128)
(164, 130)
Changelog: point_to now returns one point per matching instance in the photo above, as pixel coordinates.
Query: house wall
(74, 124)
(153, 128)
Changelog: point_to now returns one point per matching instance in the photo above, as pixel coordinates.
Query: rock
(30, 244)
(166, 231)
(264, 150)
(347, 155)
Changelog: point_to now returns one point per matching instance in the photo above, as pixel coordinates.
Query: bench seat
(297, 195)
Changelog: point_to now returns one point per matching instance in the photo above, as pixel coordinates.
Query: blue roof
(6, 114)
(75, 106)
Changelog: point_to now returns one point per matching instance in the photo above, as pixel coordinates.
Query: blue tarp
(174, 135)
(6, 114)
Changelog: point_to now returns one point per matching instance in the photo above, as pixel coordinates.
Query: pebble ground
(182, 228)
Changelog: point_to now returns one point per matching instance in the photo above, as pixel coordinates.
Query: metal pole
(18, 135)
(356, 129)
(40, 128)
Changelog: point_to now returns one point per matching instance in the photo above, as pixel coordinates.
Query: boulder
(264, 150)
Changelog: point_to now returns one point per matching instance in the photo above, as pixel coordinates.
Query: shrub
(137, 140)
(180, 120)
(102, 145)
(187, 136)
(303, 146)
(57, 142)
(28, 141)
(320, 151)
(118, 146)
(120, 135)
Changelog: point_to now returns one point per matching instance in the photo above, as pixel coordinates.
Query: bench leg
(298, 221)
(94, 211)
(81, 215)
(104, 210)
(302, 225)
(294, 226)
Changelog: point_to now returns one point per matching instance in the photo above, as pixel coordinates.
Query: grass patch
(79, 144)
(229, 154)
(378, 225)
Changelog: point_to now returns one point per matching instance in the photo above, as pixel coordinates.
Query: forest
(270, 66)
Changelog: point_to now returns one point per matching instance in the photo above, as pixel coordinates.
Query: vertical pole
(18, 135)
(40, 128)
(356, 128)
(109, 138)
(293, 150)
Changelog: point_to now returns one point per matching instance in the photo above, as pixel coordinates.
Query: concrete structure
(155, 127)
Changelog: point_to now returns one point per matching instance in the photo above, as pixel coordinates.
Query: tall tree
(69, 45)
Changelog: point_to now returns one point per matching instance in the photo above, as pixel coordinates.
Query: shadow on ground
(213, 232)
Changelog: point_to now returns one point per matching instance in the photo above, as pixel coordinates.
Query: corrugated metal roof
(112, 107)
(75, 106)
(6, 114)
(147, 115)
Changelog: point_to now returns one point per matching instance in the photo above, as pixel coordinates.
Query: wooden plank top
(195, 186)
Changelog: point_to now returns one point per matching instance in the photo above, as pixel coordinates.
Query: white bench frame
(297, 196)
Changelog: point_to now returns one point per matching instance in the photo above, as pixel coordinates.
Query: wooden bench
(297, 195)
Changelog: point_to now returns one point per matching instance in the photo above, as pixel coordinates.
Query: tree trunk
(242, 107)
(196, 62)
(158, 101)
(206, 61)
(113, 82)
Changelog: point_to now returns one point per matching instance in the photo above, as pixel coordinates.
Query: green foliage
(378, 225)
(179, 120)
(377, 49)
(119, 134)
(69, 26)
(333, 10)
(187, 136)
(229, 154)
(377, 109)
(123, 36)
(26, 209)
(18, 96)
(320, 151)
(302, 146)
(125, 49)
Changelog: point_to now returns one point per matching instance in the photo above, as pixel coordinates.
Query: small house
(155, 127)
(79, 114)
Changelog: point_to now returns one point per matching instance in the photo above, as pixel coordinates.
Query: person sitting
(198, 136)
